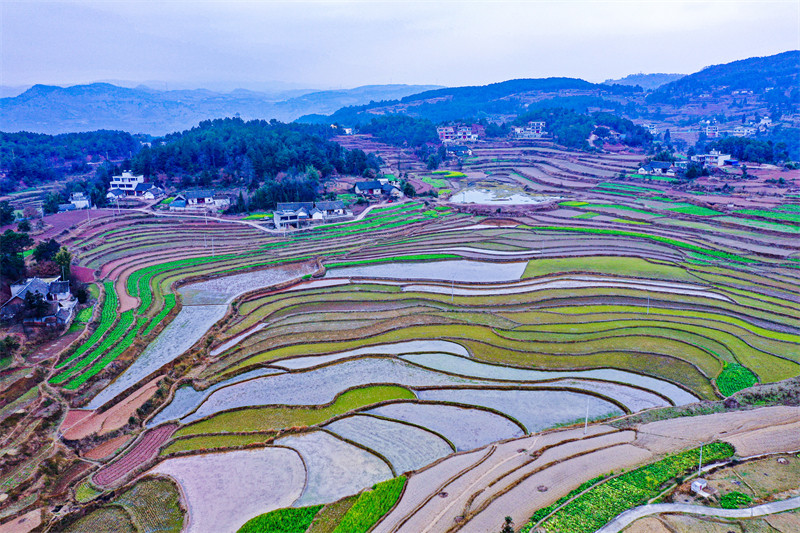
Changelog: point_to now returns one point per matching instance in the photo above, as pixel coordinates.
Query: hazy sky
(346, 44)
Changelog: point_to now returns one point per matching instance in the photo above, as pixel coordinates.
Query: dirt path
(626, 518)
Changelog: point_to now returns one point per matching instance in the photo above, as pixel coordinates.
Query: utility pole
(586, 419)
(700, 464)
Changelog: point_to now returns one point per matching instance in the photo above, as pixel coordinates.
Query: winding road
(628, 517)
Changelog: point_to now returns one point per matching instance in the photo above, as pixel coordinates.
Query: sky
(341, 44)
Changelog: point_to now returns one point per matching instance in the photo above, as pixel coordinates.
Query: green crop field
(594, 508)
(370, 506)
(287, 520)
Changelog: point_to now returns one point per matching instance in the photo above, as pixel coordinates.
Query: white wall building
(127, 183)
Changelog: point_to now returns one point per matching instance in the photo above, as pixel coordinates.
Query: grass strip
(288, 520)
(107, 316)
(371, 505)
(593, 509)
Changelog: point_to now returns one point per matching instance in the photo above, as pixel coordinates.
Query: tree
(12, 265)
(6, 213)
(408, 189)
(24, 226)
(63, 259)
(46, 250)
(508, 526)
(8, 346)
(36, 304)
(50, 202)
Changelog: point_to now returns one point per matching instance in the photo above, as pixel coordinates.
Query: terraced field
(335, 358)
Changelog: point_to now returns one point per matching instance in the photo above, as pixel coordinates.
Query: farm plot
(318, 386)
(477, 369)
(405, 446)
(145, 449)
(535, 409)
(225, 490)
(186, 329)
(223, 289)
(270, 420)
(154, 505)
(334, 468)
(464, 271)
(187, 397)
(396, 349)
(466, 428)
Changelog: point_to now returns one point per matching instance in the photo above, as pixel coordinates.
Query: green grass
(691, 209)
(107, 317)
(330, 515)
(113, 348)
(449, 173)
(595, 508)
(735, 377)
(589, 214)
(735, 500)
(782, 215)
(540, 514)
(288, 520)
(438, 183)
(717, 254)
(94, 290)
(258, 216)
(371, 505)
(169, 305)
(623, 187)
(84, 315)
(167, 201)
(86, 492)
(27, 253)
(608, 265)
(265, 419)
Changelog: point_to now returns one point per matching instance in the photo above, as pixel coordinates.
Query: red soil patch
(107, 448)
(82, 274)
(142, 452)
(113, 419)
(63, 221)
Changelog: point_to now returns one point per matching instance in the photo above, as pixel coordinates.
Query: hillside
(757, 74)
(646, 81)
(51, 109)
(504, 98)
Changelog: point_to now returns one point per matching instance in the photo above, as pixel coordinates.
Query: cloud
(327, 43)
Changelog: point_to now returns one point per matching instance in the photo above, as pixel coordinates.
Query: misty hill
(51, 109)
(757, 74)
(646, 81)
(504, 98)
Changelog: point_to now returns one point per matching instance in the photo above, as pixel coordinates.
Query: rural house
(199, 199)
(657, 168)
(51, 289)
(80, 200)
(127, 183)
(153, 192)
(292, 213)
(373, 188)
(297, 213)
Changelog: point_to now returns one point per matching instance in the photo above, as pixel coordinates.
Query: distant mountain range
(507, 99)
(52, 109)
(646, 81)
(141, 109)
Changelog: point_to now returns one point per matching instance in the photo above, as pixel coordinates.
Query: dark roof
(660, 164)
(388, 187)
(141, 187)
(363, 185)
(66, 207)
(201, 193)
(59, 287)
(294, 206)
(178, 203)
(116, 192)
(34, 285)
(330, 206)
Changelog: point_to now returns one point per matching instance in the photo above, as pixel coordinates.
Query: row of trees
(34, 158)
(250, 152)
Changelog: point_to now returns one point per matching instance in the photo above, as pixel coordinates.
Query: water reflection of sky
(495, 196)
